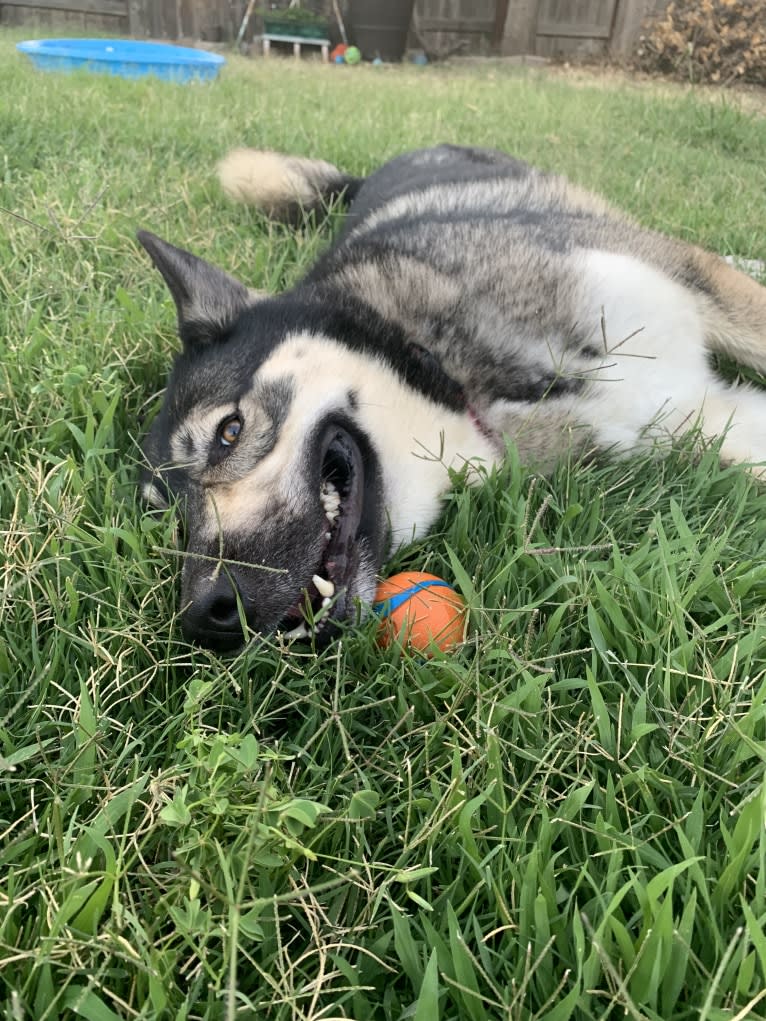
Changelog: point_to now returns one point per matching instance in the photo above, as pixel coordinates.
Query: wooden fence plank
(576, 18)
(519, 37)
(135, 18)
(448, 26)
(572, 30)
(456, 25)
(114, 8)
(498, 28)
(628, 21)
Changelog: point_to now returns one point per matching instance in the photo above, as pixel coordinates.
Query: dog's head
(289, 450)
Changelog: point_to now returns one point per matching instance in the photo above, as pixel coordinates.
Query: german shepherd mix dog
(469, 298)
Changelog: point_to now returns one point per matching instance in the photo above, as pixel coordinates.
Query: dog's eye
(229, 431)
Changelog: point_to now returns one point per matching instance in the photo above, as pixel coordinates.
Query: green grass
(563, 820)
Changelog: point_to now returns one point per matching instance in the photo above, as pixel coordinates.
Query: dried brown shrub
(720, 41)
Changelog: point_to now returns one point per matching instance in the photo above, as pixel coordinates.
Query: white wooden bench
(297, 41)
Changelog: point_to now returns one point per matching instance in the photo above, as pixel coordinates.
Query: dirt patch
(747, 97)
(751, 98)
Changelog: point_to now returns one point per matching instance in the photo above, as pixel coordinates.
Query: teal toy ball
(352, 55)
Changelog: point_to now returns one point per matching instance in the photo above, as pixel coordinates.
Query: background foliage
(719, 41)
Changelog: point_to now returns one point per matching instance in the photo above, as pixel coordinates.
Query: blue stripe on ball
(387, 606)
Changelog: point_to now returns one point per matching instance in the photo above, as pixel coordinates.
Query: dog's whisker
(225, 561)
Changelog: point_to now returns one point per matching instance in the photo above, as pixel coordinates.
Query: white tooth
(326, 602)
(329, 498)
(328, 535)
(323, 586)
(297, 632)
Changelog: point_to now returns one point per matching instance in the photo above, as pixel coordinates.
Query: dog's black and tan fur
(469, 298)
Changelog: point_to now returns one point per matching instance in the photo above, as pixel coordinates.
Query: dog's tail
(283, 187)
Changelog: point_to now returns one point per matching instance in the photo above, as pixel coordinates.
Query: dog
(469, 300)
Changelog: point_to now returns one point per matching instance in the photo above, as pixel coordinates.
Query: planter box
(279, 26)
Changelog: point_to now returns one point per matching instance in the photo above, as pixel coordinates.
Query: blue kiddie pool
(124, 57)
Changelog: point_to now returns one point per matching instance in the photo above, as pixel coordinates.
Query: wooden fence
(99, 15)
(572, 28)
(543, 28)
(212, 20)
(540, 27)
(459, 26)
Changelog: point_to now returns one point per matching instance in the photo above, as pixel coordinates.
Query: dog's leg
(653, 379)
(738, 415)
(735, 311)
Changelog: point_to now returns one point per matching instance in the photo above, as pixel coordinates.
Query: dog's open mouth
(342, 498)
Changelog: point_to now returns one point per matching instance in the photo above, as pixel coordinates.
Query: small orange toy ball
(419, 610)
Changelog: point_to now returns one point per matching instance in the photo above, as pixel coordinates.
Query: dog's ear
(207, 299)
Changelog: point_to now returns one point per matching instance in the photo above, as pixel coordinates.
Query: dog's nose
(212, 617)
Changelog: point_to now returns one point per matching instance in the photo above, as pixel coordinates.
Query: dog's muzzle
(325, 564)
(212, 617)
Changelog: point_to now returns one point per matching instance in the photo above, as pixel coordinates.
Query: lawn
(564, 819)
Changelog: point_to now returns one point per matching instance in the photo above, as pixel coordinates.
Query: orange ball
(419, 610)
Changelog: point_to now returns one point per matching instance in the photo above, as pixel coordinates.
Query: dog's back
(450, 203)
(523, 285)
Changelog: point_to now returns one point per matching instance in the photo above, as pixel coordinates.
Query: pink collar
(481, 426)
